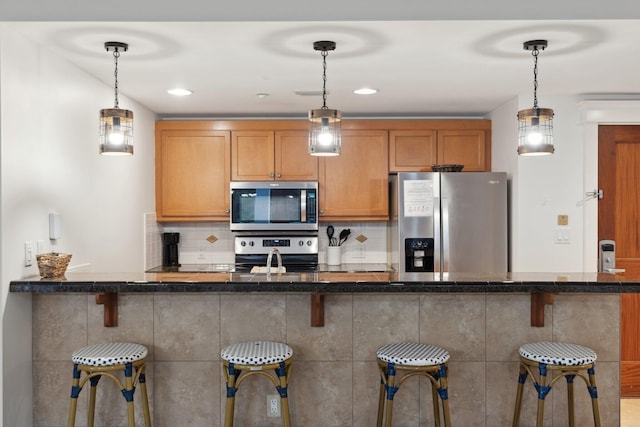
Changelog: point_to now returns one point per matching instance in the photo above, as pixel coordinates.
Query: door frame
(593, 114)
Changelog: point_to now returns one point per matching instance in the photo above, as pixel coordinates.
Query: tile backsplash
(212, 243)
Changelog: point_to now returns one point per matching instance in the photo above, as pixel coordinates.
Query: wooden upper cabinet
(269, 155)
(463, 147)
(463, 142)
(355, 184)
(192, 175)
(412, 150)
(293, 161)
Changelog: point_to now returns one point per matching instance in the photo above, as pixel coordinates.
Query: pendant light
(116, 124)
(324, 123)
(535, 125)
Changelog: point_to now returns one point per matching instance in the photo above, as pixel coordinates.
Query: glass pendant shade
(116, 124)
(324, 132)
(116, 132)
(535, 125)
(535, 132)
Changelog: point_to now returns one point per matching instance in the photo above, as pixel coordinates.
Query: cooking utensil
(330, 232)
(344, 235)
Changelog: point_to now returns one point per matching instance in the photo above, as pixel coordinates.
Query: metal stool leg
(391, 389)
(570, 400)
(231, 375)
(381, 399)
(543, 389)
(75, 391)
(522, 378)
(128, 393)
(92, 400)
(145, 397)
(283, 374)
(443, 391)
(436, 404)
(593, 391)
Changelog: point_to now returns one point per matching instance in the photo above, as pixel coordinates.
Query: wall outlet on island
(273, 405)
(359, 252)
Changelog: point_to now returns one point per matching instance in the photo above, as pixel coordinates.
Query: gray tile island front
(186, 319)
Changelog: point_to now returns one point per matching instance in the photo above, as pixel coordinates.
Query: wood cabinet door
(192, 175)
(292, 159)
(463, 147)
(412, 150)
(252, 156)
(619, 220)
(355, 185)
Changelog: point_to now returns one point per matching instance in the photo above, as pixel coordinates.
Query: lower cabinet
(355, 184)
(192, 175)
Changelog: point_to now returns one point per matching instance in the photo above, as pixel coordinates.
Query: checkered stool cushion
(256, 352)
(109, 354)
(413, 354)
(557, 353)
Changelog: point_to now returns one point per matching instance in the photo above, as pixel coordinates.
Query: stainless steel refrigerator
(455, 222)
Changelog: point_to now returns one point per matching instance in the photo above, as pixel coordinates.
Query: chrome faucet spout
(269, 258)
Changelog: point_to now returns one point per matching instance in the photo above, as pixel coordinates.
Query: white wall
(543, 188)
(50, 162)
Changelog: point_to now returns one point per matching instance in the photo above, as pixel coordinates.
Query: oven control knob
(309, 243)
(300, 243)
(251, 243)
(243, 243)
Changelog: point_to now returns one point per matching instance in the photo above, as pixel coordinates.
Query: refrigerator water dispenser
(419, 254)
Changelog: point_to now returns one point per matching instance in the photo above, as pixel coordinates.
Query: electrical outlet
(273, 405)
(359, 252)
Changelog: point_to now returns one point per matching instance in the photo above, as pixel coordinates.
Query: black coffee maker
(170, 249)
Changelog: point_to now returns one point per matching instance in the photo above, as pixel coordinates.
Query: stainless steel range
(298, 252)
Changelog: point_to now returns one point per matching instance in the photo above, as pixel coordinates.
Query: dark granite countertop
(350, 281)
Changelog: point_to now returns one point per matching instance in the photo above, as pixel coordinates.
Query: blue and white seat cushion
(256, 352)
(558, 353)
(109, 354)
(412, 354)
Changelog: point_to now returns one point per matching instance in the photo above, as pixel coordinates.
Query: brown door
(619, 220)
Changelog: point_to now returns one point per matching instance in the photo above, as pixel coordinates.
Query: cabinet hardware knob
(227, 211)
(278, 175)
(271, 175)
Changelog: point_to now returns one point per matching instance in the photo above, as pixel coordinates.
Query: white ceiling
(421, 68)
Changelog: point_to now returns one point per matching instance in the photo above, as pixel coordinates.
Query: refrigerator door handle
(446, 235)
(437, 226)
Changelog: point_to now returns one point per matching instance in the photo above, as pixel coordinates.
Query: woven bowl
(446, 168)
(53, 264)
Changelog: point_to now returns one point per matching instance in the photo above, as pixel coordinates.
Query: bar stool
(414, 359)
(244, 359)
(105, 359)
(567, 360)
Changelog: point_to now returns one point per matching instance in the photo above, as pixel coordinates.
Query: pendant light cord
(116, 55)
(535, 54)
(324, 79)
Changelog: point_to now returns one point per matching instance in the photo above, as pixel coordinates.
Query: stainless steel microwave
(274, 206)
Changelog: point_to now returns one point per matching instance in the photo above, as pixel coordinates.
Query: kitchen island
(186, 318)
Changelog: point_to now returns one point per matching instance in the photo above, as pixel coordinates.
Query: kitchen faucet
(269, 258)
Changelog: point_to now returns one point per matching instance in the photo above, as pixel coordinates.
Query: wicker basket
(447, 168)
(53, 264)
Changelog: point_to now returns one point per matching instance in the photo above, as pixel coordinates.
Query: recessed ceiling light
(262, 95)
(179, 92)
(365, 91)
